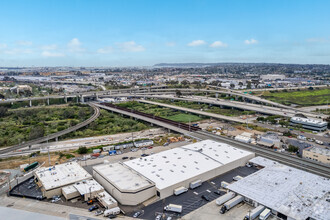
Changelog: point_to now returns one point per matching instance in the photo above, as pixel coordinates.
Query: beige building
(126, 185)
(51, 180)
(318, 154)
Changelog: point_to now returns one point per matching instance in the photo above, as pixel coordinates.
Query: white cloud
(74, 46)
(105, 50)
(49, 47)
(170, 44)
(252, 41)
(196, 43)
(218, 44)
(23, 43)
(130, 46)
(52, 54)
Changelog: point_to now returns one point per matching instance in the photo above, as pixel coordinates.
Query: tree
(68, 113)
(3, 111)
(248, 85)
(82, 150)
(82, 113)
(178, 93)
(185, 82)
(36, 132)
(232, 85)
(293, 149)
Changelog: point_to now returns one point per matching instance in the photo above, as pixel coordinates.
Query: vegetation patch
(303, 97)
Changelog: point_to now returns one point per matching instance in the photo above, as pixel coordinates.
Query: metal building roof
(292, 192)
(179, 164)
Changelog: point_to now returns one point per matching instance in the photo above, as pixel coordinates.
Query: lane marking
(196, 193)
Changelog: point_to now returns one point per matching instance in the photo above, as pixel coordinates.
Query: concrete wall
(71, 195)
(317, 157)
(125, 198)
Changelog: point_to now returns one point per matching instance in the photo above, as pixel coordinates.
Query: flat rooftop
(179, 164)
(319, 150)
(61, 175)
(292, 192)
(308, 121)
(107, 198)
(122, 176)
(88, 186)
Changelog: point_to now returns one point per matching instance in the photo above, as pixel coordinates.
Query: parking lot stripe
(208, 191)
(196, 193)
(213, 183)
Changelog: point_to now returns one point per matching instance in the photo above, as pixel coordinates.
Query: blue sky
(145, 32)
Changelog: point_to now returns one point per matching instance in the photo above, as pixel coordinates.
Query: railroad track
(300, 163)
(55, 135)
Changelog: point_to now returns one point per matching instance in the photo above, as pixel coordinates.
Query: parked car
(137, 214)
(56, 200)
(158, 217)
(206, 198)
(144, 155)
(112, 216)
(94, 207)
(218, 192)
(131, 158)
(150, 147)
(124, 158)
(98, 212)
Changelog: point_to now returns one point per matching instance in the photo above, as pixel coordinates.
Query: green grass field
(302, 98)
(162, 112)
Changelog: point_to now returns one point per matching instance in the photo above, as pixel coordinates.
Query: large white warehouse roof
(61, 175)
(292, 192)
(179, 164)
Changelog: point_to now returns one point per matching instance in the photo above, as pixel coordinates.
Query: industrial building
(270, 139)
(51, 180)
(311, 124)
(137, 180)
(318, 154)
(290, 193)
(125, 184)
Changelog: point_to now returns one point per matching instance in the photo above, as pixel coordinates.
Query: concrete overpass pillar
(216, 95)
(56, 139)
(77, 99)
(65, 99)
(48, 101)
(227, 95)
(30, 103)
(236, 97)
(82, 99)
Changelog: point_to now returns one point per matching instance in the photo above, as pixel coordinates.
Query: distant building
(272, 77)
(21, 88)
(270, 139)
(318, 154)
(311, 124)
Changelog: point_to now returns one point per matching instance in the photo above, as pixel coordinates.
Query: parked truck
(231, 203)
(113, 211)
(221, 200)
(180, 190)
(195, 184)
(173, 208)
(265, 214)
(254, 213)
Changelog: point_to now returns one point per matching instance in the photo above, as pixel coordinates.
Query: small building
(143, 143)
(70, 192)
(88, 189)
(311, 124)
(106, 200)
(51, 180)
(124, 146)
(245, 137)
(270, 139)
(318, 154)
(288, 192)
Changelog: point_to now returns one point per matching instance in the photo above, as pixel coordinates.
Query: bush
(82, 150)
(293, 149)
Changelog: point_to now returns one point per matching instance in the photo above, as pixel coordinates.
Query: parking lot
(27, 189)
(191, 200)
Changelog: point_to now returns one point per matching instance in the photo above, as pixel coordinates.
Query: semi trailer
(231, 203)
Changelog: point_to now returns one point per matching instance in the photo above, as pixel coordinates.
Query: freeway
(300, 163)
(55, 135)
(234, 104)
